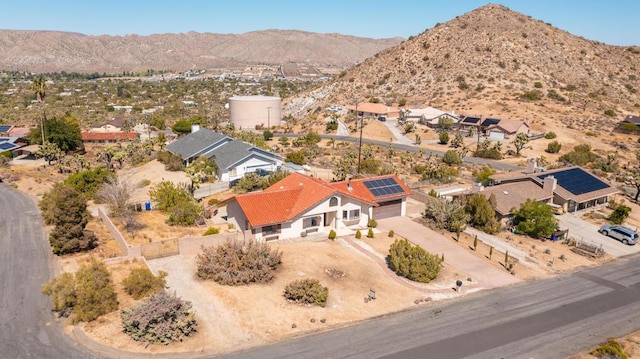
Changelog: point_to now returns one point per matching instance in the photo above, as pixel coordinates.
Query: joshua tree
(39, 87)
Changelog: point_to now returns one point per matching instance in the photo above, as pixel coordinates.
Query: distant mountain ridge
(54, 51)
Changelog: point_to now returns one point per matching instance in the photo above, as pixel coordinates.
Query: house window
(352, 214)
(310, 222)
(333, 202)
(270, 230)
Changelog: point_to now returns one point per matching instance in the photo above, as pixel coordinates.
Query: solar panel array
(490, 121)
(383, 187)
(4, 128)
(577, 181)
(471, 119)
(7, 146)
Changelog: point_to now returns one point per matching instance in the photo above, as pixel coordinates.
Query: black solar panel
(577, 181)
(6, 146)
(471, 119)
(383, 187)
(4, 128)
(490, 121)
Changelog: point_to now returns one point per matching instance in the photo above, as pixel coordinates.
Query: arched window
(333, 202)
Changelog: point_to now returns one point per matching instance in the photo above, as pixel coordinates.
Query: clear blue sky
(613, 22)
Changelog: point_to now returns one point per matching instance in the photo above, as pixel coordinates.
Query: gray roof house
(234, 158)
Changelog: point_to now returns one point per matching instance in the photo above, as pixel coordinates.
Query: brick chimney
(549, 184)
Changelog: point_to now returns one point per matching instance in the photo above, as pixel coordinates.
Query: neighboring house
(368, 109)
(631, 124)
(429, 116)
(108, 137)
(494, 128)
(299, 204)
(234, 158)
(570, 189)
(9, 144)
(114, 125)
(505, 129)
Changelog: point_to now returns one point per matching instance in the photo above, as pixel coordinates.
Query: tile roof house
(234, 158)
(570, 188)
(301, 204)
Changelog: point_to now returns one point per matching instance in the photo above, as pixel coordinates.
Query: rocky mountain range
(54, 51)
(494, 61)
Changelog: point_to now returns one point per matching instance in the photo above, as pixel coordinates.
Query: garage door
(496, 135)
(388, 209)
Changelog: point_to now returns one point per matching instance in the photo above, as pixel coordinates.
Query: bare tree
(116, 194)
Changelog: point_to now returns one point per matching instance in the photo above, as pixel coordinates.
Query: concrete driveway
(584, 230)
(485, 274)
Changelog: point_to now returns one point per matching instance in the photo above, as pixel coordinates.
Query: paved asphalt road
(28, 328)
(550, 318)
(412, 148)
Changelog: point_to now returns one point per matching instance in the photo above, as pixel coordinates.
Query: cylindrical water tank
(247, 112)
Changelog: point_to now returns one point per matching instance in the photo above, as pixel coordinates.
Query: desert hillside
(55, 51)
(498, 62)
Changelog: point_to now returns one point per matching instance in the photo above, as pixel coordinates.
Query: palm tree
(39, 87)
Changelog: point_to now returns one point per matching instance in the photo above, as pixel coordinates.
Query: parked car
(382, 118)
(621, 233)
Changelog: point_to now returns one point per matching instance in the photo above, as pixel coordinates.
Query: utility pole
(360, 144)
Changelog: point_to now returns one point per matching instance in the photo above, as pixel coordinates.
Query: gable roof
(229, 154)
(377, 108)
(573, 183)
(512, 195)
(116, 122)
(632, 119)
(509, 126)
(193, 143)
(295, 194)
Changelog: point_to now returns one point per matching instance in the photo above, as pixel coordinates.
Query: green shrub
(610, 349)
(413, 262)
(370, 233)
(550, 135)
(443, 137)
(161, 318)
(213, 201)
(237, 262)
(141, 282)
(88, 181)
(619, 214)
(332, 234)
(307, 291)
(210, 231)
(391, 233)
(85, 295)
(144, 183)
(554, 147)
(452, 157)
(358, 234)
(371, 223)
(537, 84)
(610, 113)
(171, 162)
(533, 95)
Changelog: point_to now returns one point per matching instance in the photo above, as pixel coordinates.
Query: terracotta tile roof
(360, 191)
(108, 136)
(293, 195)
